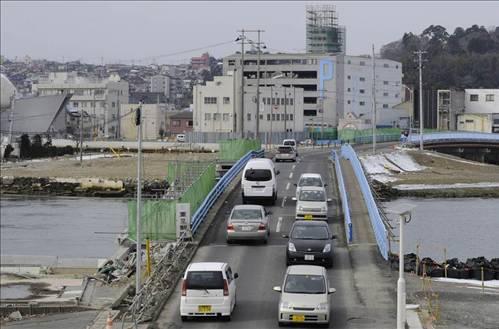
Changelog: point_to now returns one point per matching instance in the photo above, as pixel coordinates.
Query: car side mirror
(277, 288)
(285, 236)
(268, 212)
(325, 185)
(331, 291)
(293, 198)
(334, 236)
(236, 275)
(295, 184)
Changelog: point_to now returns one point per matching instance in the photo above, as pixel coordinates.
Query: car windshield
(292, 143)
(310, 181)
(198, 280)
(246, 214)
(310, 232)
(285, 149)
(315, 195)
(305, 284)
(258, 175)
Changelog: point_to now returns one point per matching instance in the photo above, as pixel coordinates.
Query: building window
(282, 101)
(268, 100)
(176, 123)
(396, 95)
(210, 100)
(225, 116)
(348, 102)
(273, 116)
(386, 65)
(474, 98)
(75, 104)
(362, 91)
(249, 116)
(489, 98)
(291, 117)
(385, 106)
(361, 103)
(189, 123)
(349, 77)
(216, 116)
(385, 83)
(362, 63)
(207, 116)
(362, 79)
(349, 89)
(226, 100)
(385, 94)
(113, 104)
(291, 101)
(349, 62)
(268, 117)
(261, 116)
(278, 117)
(396, 66)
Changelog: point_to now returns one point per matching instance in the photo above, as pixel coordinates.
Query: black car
(310, 242)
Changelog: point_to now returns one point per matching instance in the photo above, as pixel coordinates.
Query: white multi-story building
(99, 98)
(333, 85)
(153, 121)
(216, 103)
(160, 84)
(481, 101)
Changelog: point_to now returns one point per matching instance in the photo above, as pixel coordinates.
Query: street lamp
(403, 210)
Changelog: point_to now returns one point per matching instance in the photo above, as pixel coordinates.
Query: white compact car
(285, 153)
(304, 295)
(208, 289)
(307, 180)
(312, 203)
(259, 180)
(181, 138)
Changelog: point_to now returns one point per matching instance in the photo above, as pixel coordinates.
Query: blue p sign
(325, 73)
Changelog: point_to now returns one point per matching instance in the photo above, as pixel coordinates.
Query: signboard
(183, 216)
(325, 73)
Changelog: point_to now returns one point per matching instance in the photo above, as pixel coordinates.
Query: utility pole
(285, 113)
(271, 114)
(11, 117)
(81, 135)
(118, 134)
(374, 102)
(242, 38)
(258, 84)
(138, 123)
(420, 53)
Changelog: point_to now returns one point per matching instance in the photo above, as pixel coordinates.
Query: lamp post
(404, 212)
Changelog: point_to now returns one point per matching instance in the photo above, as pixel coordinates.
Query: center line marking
(290, 175)
(287, 185)
(283, 201)
(278, 227)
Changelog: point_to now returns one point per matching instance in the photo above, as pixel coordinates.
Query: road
(261, 267)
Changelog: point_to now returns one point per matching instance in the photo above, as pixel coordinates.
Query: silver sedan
(248, 222)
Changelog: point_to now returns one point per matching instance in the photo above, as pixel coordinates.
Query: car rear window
(310, 181)
(205, 280)
(292, 143)
(247, 214)
(258, 175)
(285, 149)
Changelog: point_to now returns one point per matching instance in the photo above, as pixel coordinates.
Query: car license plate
(204, 308)
(308, 217)
(298, 318)
(246, 228)
(309, 257)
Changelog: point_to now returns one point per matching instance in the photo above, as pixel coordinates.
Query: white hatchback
(304, 295)
(208, 289)
(309, 179)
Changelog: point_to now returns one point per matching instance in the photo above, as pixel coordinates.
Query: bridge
(482, 147)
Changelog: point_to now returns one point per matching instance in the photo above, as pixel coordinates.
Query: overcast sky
(128, 30)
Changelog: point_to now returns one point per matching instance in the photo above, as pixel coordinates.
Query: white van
(208, 289)
(259, 180)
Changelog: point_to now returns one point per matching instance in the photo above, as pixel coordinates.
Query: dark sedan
(310, 242)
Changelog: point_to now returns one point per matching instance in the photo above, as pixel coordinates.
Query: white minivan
(259, 180)
(208, 289)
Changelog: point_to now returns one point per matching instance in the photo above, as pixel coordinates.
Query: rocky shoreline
(83, 187)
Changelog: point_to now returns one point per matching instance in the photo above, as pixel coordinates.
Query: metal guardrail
(145, 303)
(379, 227)
(343, 196)
(220, 187)
(454, 136)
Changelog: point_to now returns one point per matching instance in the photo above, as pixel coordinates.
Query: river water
(466, 227)
(59, 226)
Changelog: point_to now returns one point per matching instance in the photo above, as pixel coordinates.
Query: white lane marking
(283, 201)
(287, 185)
(290, 175)
(279, 223)
(293, 167)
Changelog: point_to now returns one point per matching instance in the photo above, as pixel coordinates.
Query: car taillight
(230, 227)
(226, 288)
(262, 227)
(184, 288)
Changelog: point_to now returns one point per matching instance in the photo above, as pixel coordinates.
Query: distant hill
(468, 58)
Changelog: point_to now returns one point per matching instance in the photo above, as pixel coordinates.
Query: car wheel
(226, 318)
(280, 324)
(329, 264)
(244, 200)
(184, 318)
(265, 241)
(324, 325)
(288, 263)
(229, 241)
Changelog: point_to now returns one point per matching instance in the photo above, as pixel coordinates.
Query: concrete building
(160, 84)
(333, 85)
(323, 34)
(153, 124)
(100, 98)
(201, 63)
(450, 104)
(180, 123)
(481, 100)
(217, 103)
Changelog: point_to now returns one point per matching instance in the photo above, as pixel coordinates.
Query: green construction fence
(235, 149)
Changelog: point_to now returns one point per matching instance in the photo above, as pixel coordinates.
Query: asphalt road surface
(261, 267)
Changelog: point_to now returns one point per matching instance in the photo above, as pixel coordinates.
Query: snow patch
(488, 284)
(377, 164)
(383, 178)
(407, 187)
(404, 161)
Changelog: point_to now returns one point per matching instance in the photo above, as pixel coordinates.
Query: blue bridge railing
(456, 136)
(343, 196)
(377, 224)
(220, 187)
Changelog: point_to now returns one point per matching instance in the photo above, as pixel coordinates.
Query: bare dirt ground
(446, 169)
(154, 164)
